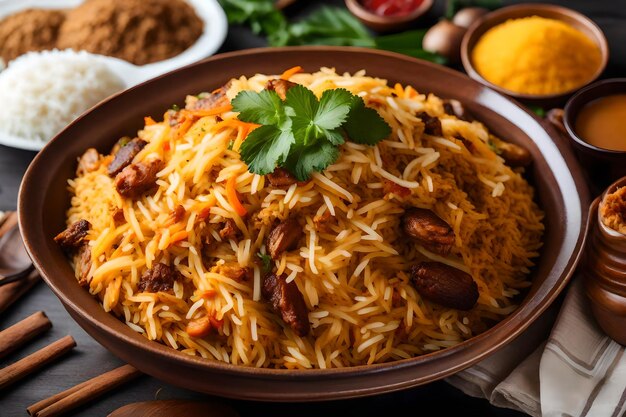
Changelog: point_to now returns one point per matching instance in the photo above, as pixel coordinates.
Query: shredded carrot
(178, 236)
(204, 209)
(210, 112)
(233, 198)
(149, 121)
(166, 146)
(183, 128)
(291, 71)
(236, 123)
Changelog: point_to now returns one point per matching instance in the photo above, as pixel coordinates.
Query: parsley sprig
(302, 134)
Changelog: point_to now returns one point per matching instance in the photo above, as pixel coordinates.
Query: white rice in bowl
(42, 92)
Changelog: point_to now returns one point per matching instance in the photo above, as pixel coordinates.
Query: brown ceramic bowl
(603, 165)
(387, 23)
(43, 200)
(571, 17)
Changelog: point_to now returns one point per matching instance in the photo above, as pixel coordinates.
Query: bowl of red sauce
(388, 15)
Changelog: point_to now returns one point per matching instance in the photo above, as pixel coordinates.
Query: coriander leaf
(313, 120)
(335, 136)
(364, 125)
(265, 147)
(264, 108)
(333, 108)
(261, 15)
(301, 102)
(266, 260)
(325, 26)
(303, 160)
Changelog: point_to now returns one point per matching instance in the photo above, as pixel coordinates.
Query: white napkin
(575, 370)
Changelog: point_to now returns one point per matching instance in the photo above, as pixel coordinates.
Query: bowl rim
(535, 308)
(486, 22)
(567, 113)
(357, 9)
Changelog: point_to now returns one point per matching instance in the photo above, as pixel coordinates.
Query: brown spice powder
(29, 30)
(138, 31)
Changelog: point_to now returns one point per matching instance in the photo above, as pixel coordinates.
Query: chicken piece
(72, 238)
(159, 278)
(287, 301)
(429, 229)
(284, 236)
(137, 179)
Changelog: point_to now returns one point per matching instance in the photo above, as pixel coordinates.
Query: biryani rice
(353, 273)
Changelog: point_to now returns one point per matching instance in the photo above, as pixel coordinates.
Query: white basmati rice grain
(71, 82)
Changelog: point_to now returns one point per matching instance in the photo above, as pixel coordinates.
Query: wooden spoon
(175, 408)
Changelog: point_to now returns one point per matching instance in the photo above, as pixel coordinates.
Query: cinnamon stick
(82, 393)
(33, 362)
(10, 293)
(23, 331)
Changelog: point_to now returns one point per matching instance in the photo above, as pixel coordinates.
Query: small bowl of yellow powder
(540, 54)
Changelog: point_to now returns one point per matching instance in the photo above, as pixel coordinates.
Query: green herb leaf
(301, 133)
(303, 161)
(266, 261)
(264, 108)
(364, 125)
(313, 120)
(325, 26)
(334, 108)
(265, 147)
(261, 15)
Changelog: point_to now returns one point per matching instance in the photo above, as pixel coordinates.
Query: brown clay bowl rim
(357, 9)
(491, 19)
(28, 205)
(568, 116)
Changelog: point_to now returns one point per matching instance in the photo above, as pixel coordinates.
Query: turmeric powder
(536, 55)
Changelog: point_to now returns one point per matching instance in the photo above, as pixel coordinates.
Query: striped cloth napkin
(572, 370)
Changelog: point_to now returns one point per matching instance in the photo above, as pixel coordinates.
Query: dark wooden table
(90, 359)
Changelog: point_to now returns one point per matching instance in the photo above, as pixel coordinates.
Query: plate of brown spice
(152, 37)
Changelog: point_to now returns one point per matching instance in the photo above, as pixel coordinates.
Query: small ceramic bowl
(603, 165)
(571, 17)
(387, 23)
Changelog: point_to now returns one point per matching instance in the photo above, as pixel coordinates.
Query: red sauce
(391, 7)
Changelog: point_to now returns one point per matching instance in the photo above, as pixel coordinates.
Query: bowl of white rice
(45, 91)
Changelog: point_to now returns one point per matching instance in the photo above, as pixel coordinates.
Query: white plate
(215, 29)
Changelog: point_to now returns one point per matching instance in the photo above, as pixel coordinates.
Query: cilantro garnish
(266, 262)
(302, 133)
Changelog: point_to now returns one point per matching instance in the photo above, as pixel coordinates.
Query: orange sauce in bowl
(602, 122)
